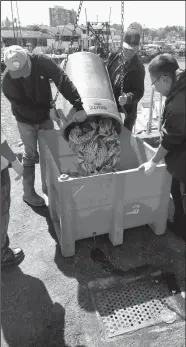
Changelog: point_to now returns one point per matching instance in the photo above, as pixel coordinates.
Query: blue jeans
(29, 137)
(5, 210)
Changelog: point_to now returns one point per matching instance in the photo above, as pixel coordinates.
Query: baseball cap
(131, 39)
(17, 61)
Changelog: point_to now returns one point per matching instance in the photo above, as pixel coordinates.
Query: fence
(149, 124)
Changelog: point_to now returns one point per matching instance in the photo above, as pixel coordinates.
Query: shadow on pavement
(71, 267)
(29, 317)
(44, 212)
(148, 251)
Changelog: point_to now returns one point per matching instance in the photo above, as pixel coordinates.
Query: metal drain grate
(135, 306)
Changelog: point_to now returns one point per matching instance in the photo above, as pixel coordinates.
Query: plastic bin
(106, 203)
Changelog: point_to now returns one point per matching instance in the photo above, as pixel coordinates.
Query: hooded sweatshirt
(173, 131)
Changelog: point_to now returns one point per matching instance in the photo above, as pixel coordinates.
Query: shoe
(30, 196)
(13, 256)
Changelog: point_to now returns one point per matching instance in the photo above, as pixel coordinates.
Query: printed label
(98, 107)
(135, 210)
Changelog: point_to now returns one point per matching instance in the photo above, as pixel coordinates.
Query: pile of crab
(97, 146)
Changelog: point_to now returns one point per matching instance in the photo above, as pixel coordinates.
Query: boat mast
(16, 30)
(13, 22)
(19, 24)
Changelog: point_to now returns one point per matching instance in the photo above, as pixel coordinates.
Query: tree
(171, 36)
(153, 34)
(7, 22)
(146, 31)
(160, 33)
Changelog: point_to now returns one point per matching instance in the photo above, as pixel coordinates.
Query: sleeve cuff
(78, 107)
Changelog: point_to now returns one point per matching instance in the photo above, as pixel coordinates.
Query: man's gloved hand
(18, 167)
(80, 116)
(122, 99)
(148, 167)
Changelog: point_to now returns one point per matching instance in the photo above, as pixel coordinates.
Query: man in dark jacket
(170, 81)
(134, 75)
(26, 85)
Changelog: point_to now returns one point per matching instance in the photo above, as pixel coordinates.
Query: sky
(151, 14)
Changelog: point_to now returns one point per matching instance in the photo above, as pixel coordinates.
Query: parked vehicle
(167, 49)
(152, 51)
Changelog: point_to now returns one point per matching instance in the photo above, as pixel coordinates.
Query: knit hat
(131, 39)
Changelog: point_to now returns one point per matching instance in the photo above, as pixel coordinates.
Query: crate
(106, 203)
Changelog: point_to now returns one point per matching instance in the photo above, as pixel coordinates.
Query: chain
(121, 47)
(69, 49)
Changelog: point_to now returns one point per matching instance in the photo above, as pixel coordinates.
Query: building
(35, 37)
(58, 15)
(51, 38)
(65, 32)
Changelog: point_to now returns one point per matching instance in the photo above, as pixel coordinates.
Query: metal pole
(17, 38)
(19, 23)
(86, 15)
(86, 28)
(13, 22)
(109, 15)
(143, 35)
(150, 111)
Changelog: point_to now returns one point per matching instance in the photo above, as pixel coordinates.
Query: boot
(30, 196)
(12, 256)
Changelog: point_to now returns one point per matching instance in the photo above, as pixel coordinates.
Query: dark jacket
(173, 131)
(133, 82)
(30, 97)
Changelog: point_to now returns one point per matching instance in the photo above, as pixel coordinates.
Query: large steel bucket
(89, 74)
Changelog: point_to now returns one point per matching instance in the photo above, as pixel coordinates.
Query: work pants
(177, 192)
(5, 210)
(29, 137)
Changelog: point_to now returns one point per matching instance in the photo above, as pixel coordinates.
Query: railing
(149, 123)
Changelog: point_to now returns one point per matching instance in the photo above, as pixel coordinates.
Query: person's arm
(66, 87)
(8, 154)
(173, 133)
(159, 155)
(6, 151)
(150, 165)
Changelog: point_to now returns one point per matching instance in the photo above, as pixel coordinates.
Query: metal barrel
(89, 75)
